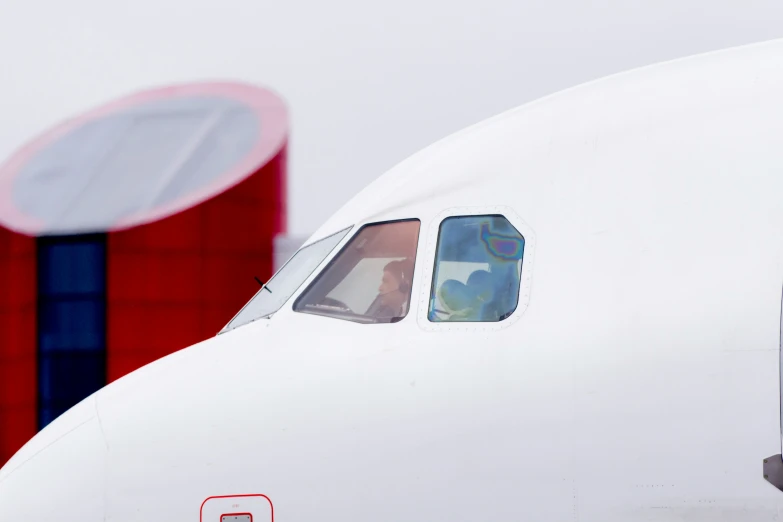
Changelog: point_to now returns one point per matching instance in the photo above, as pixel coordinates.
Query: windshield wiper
(263, 286)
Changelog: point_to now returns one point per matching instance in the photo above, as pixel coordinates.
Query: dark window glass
(71, 321)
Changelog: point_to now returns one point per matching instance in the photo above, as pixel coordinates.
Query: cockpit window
(285, 282)
(478, 264)
(369, 281)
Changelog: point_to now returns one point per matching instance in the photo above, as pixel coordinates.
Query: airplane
(568, 312)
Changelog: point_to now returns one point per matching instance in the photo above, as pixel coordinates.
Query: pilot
(394, 291)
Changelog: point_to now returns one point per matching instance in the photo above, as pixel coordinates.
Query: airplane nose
(79, 468)
(60, 474)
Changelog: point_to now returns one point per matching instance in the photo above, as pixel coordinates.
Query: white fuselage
(637, 380)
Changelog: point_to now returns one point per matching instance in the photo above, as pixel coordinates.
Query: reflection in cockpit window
(477, 270)
(369, 281)
(286, 281)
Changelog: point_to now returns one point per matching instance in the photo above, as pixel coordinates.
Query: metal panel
(242, 517)
(246, 508)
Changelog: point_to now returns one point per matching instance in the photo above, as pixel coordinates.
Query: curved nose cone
(123, 442)
(326, 424)
(64, 465)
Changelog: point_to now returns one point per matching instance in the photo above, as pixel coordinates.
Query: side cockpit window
(369, 280)
(478, 263)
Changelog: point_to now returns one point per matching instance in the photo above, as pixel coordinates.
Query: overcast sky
(367, 83)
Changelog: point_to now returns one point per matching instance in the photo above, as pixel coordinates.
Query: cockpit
(475, 277)
(369, 281)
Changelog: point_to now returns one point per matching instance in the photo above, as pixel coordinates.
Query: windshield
(285, 282)
(369, 281)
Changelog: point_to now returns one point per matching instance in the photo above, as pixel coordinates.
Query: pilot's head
(396, 277)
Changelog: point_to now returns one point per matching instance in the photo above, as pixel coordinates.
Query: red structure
(17, 342)
(129, 233)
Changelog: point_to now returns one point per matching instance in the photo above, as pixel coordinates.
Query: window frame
(336, 253)
(428, 270)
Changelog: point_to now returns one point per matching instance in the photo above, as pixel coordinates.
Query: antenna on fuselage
(263, 286)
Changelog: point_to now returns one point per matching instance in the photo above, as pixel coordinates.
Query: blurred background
(156, 156)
